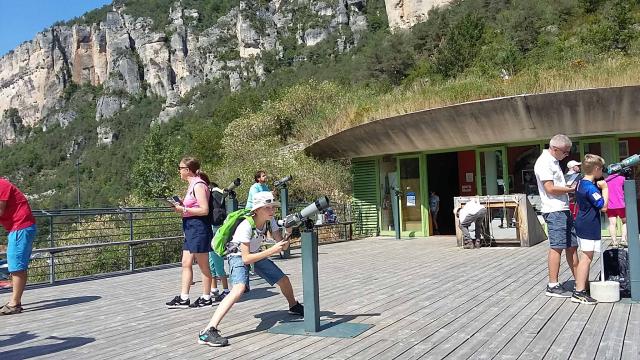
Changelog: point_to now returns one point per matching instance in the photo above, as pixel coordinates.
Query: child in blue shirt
(592, 198)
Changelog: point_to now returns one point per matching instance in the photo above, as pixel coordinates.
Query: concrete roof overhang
(512, 119)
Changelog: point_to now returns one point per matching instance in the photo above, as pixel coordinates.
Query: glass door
(388, 180)
(492, 166)
(411, 203)
(494, 178)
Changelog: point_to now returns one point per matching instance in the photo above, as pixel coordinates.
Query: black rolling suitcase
(616, 268)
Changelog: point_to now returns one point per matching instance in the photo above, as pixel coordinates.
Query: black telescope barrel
(235, 183)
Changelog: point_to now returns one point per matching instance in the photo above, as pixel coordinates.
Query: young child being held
(592, 197)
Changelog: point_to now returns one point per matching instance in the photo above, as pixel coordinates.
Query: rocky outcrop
(125, 56)
(403, 14)
(105, 135)
(108, 105)
(61, 118)
(10, 126)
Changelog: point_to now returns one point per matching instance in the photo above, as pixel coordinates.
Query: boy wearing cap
(244, 249)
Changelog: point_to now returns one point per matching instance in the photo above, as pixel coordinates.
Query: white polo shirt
(547, 168)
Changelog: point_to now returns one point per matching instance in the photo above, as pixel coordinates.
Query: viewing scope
(234, 184)
(624, 165)
(296, 219)
(283, 181)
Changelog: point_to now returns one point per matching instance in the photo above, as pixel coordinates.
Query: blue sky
(20, 20)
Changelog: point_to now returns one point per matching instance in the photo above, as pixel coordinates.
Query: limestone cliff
(127, 58)
(403, 14)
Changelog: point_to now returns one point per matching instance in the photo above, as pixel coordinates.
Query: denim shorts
(562, 234)
(19, 248)
(265, 268)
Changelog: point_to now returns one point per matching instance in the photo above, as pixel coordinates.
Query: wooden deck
(425, 298)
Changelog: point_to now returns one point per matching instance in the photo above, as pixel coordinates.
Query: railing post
(310, 286)
(52, 258)
(132, 263)
(632, 237)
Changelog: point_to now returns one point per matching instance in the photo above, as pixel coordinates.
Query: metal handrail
(74, 243)
(59, 249)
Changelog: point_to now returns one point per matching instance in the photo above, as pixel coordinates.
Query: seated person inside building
(470, 213)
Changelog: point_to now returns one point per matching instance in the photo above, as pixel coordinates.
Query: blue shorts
(562, 234)
(19, 248)
(265, 268)
(197, 235)
(216, 264)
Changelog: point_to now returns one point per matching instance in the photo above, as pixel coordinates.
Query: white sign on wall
(411, 199)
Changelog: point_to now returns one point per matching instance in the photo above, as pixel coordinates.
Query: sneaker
(10, 310)
(212, 337)
(297, 309)
(582, 298)
(219, 297)
(200, 302)
(178, 303)
(557, 291)
(476, 244)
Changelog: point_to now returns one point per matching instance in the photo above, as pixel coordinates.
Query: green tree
(461, 45)
(155, 172)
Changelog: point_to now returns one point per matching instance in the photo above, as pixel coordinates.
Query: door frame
(505, 167)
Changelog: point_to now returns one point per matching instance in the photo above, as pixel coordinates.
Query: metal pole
(52, 258)
(310, 286)
(631, 205)
(232, 203)
(78, 180)
(132, 264)
(284, 208)
(395, 207)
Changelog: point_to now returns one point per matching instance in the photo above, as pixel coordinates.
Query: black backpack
(217, 207)
(616, 268)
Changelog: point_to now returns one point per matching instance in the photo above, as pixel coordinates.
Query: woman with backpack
(244, 249)
(196, 225)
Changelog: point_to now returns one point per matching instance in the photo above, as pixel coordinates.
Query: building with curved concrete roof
(485, 147)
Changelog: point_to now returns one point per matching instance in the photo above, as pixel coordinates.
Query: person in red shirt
(16, 217)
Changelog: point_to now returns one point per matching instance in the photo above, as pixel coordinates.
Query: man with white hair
(573, 172)
(554, 197)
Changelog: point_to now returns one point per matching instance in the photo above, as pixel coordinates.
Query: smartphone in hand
(174, 200)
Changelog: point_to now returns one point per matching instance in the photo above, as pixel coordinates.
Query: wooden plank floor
(424, 297)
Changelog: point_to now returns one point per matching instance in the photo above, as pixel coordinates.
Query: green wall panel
(365, 197)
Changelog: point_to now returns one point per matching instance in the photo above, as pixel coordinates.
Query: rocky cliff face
(126, 57)
(403, 14)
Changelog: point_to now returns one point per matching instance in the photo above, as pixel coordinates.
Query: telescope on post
(284, 200)
(283, 182)
(229, 189)
(624, 167)
(296, 219)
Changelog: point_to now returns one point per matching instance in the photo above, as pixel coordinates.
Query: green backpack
(228, 228)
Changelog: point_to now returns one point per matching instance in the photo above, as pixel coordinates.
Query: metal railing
(83, 242)
(74, 243)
